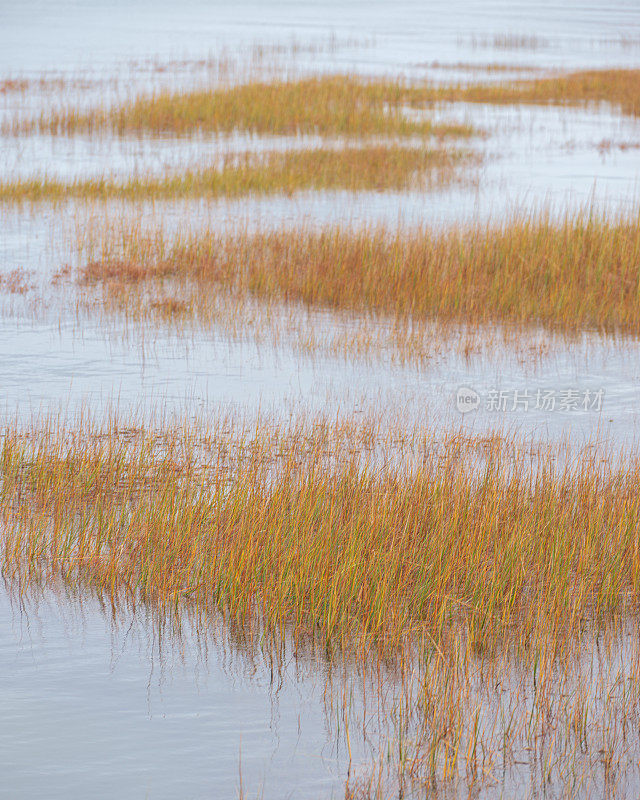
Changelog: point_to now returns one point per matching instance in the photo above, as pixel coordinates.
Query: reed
(373, 168)
(577, 273)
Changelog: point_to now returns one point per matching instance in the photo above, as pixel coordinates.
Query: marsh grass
(311, 529)
(140, 314)
(332, 105)
(579, 273)
(484, 590)
(501, 582)
(340, 105)
(369, 168)
(617, 87)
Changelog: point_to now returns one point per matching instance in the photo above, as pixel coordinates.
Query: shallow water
(101, 703)
(66, 34)
(96, 708)
(163, 373)
(99, 706)
(531, 156)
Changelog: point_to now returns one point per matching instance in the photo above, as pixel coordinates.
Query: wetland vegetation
(479, 587)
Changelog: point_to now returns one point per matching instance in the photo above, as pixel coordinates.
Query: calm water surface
(92, 707)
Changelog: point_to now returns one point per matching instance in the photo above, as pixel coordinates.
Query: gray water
(91, 708)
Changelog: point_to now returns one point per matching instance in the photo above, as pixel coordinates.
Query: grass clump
(617, 87)
(573, 274)
(373, 168)
(333, 105)
(340, 105)
(489, 600)
(306, 532)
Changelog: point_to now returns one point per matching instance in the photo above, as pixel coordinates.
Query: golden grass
(499, 585)
(335, 105)
(617, 87)
(327, 105)
(574, 274)
(370, 168)
(317, 528)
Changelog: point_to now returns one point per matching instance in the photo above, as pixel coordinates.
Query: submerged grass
(578, 273)
(134, 313)
(371, 168)
(326, 105)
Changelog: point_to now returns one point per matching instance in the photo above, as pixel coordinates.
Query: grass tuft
(617, 87)
(323, 538)
(327, 106)
(374, 168)
(574, 274)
